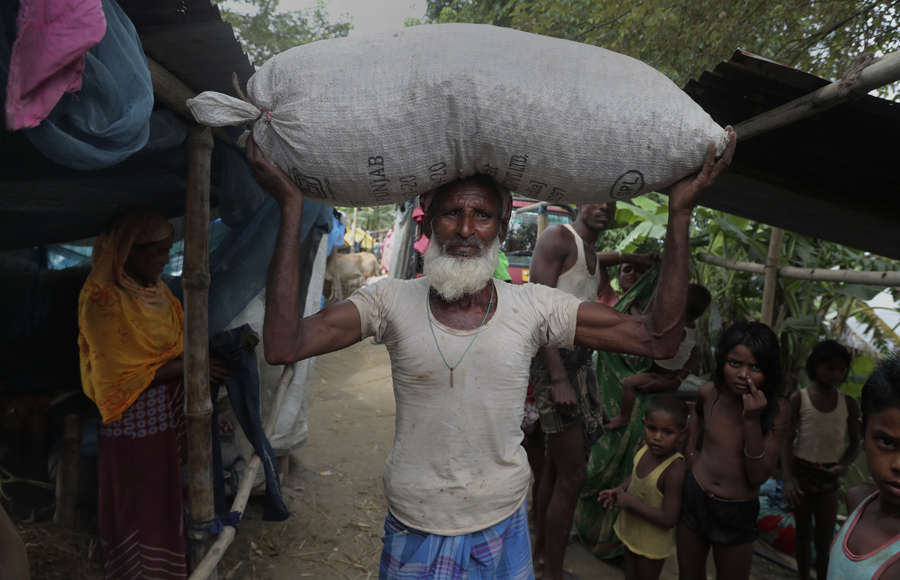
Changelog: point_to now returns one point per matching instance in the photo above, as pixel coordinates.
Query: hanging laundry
(48, 57)
(109, 118)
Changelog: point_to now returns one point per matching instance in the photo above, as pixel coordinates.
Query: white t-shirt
(457, 465)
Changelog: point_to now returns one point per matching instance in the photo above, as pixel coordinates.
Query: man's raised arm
(658, 334)
(287, 336)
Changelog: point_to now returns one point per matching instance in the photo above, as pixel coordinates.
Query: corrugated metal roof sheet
(832, 176)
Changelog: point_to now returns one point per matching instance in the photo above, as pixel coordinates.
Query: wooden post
(542, 220)
(772, 262)
(196, 344)
(67, 473)
(224, 539)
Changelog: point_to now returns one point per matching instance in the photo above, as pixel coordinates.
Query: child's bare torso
(719, 467)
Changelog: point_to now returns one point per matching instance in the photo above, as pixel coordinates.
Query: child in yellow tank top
(649, 501)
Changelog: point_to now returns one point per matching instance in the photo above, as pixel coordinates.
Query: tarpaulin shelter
(178, 170)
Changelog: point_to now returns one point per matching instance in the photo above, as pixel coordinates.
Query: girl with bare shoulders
(733, 447)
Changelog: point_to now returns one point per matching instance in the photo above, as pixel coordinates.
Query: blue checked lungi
(500, 552)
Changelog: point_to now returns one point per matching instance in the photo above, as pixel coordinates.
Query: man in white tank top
(457, 476)
(563, 381)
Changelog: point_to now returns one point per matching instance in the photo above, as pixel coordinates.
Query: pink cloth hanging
(421, 244)
(48, 56)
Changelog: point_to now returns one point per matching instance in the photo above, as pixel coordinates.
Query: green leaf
(727, 224)
(625, 216)
(649, 204)
(859, 291)
(649, 215)
(860, 369)
(629, 244)
(807, 323)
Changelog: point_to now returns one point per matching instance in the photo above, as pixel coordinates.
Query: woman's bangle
(618, 257)
(760, 456)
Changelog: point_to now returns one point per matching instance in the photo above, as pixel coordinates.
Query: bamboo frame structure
(173, 93)
(857, 82)
(771, 268)
(871, 278)
(208, 565)
(195, 279)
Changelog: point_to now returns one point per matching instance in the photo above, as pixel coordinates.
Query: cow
(350, 271)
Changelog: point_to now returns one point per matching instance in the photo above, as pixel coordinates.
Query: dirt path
(338, 506)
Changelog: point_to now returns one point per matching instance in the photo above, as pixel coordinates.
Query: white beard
(454, 277)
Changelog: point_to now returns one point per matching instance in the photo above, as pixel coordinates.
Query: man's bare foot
(617, 422)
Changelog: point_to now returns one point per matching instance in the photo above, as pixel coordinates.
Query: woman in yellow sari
(131, 345)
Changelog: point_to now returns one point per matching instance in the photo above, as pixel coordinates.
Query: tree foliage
(377, 218)
(682, 38)
(806, 312)
(264, 30)
(497, 12)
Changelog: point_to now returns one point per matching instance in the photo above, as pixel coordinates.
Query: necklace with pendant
(471, 342)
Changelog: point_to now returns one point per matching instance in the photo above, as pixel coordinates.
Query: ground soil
(336, 497)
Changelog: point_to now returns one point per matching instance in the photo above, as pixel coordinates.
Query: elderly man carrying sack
(460, 347)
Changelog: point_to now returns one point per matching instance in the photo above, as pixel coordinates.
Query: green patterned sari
(611, 458)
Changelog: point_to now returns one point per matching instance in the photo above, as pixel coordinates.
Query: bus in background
(523, 232)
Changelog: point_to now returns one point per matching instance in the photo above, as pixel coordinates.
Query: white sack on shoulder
(379, 119)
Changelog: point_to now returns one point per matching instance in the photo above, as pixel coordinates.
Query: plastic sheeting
(401, 245)
(238, 194)
(291, 429)
(240, 264)
(336, 237)
(109, 118)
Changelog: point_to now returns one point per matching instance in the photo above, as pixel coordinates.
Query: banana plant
(807, 311)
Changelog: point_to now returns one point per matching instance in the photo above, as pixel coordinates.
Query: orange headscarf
(126, 331)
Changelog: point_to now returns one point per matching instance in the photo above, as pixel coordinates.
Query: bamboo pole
(224, 539)
(772, 261)
(537, 205)
(857, 82)
(541, 221)
(196, 345)
(871, 278)
(67, 472)
(173, 93)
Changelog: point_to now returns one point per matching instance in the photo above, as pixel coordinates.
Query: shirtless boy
(733, 446)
